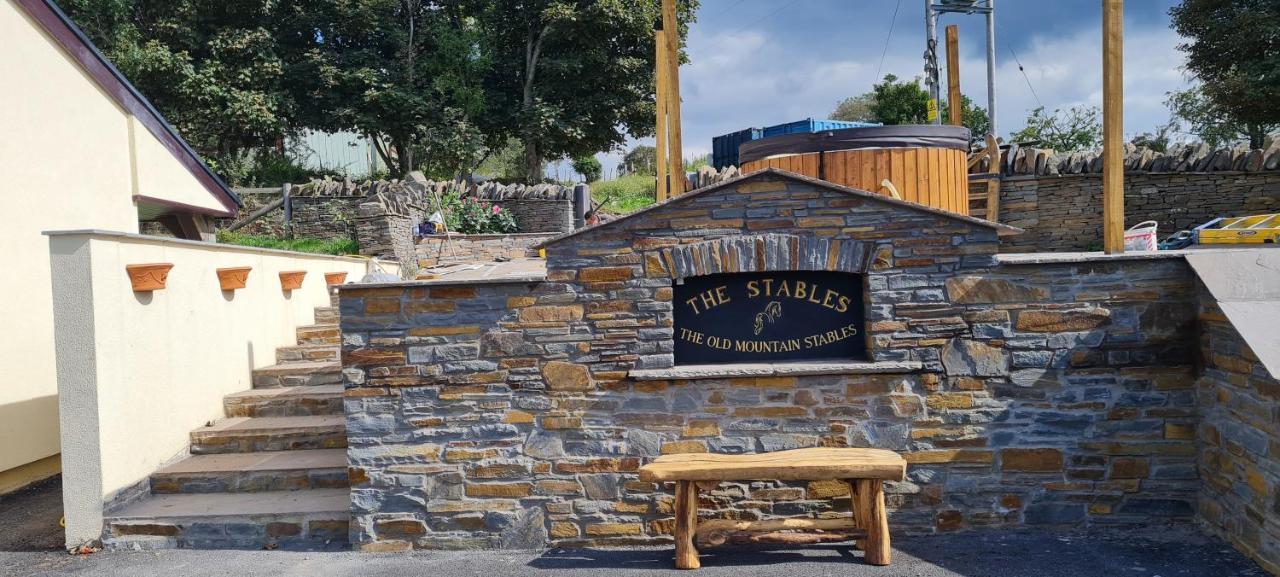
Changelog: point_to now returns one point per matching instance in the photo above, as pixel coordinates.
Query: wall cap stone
(1070, 257)
(796, 369)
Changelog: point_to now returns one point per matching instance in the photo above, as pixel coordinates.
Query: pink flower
(496, 209)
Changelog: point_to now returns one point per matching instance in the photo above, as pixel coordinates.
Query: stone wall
(323, 217)
(517, 414)
(1064, 212)
(459, 248)
(537, 215)
(1240, 441)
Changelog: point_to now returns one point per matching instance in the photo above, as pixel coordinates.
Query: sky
(764, 62)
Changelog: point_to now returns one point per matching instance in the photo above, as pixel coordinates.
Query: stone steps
(253, 472)
(319, 334)
(298, 374)
(299, 401)
(296, 520)
(327, 315)
(272, 474)
(258, 434)
(320, 352)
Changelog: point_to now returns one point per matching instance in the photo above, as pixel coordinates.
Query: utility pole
(1113, 126)
(955, 111)
(931, 61)
(660, 90)
(991, 65)
(933, 9)
(675, 138)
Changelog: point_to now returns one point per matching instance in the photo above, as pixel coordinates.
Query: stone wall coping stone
(1071, 257)
(793, 369)
(453, 235)
(1001, 229)
(133, 237)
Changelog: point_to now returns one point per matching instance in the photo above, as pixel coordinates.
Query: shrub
(471, 215)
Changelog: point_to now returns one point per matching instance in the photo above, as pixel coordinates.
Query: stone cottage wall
(1062, 213)
(503, 414)
(535, 215)
(1240, 441)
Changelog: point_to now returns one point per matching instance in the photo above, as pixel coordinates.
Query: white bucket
(1141, 237)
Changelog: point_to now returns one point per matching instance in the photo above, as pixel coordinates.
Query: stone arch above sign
(767, 253)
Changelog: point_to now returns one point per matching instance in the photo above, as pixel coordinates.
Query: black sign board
(769, 316)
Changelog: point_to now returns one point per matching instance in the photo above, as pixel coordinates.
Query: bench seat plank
(794, 465)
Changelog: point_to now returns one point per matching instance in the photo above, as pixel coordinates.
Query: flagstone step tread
(214, 505)
(300, 368)
(313, 352)
(273, 425)
(298, 373)
(254, 472)
(253, 462)
(296, 401)
(256, 434)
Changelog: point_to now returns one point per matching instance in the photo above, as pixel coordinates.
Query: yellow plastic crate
(1256, 229)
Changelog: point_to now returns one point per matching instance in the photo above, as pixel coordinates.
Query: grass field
(313, 245)
(625, 195)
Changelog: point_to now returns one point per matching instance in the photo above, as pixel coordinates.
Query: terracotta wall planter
(292, 279)
(233, 278)
(333, 278)
(148, 277)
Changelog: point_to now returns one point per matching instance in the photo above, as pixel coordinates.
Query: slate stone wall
(1063, 213)
(459, 248)
(502, 415)
(1240, 441)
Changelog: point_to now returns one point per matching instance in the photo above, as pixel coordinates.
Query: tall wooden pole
(660, 78)
(955, 112)
(675, 140)
(1113, 126)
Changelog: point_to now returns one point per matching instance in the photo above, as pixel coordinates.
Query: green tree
(1211, 122)
(894, 102)
(1233, 48)
(1077, 128)
(214, 69)
(404, 72)
(588, 167)
(643, 159)
(569, 77)
(854, 109)
(906, 102)
(1159, 139)
(973, 117)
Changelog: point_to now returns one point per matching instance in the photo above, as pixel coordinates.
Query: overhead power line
(892, 21)
(1022, 70)
(765, 17)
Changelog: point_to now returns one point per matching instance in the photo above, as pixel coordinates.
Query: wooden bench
(865, 470)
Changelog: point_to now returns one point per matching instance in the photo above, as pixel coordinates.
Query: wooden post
(1113, 126)
(660, 78)
(675, 139)
(955, 112)
(686, 525)
(873, 519)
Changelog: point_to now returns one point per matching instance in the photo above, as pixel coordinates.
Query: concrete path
(1164, 552)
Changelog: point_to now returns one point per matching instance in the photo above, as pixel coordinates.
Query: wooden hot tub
(927, 164)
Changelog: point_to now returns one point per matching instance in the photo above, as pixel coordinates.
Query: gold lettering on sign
(709, 299)
(772, 345)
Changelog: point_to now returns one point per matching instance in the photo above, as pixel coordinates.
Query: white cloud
(762, 77)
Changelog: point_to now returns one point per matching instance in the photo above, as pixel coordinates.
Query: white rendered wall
(138, 371)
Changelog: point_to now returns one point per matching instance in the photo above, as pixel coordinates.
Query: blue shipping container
(724, 149)
(810, 125)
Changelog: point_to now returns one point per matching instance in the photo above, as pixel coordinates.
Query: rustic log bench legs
(869, 524)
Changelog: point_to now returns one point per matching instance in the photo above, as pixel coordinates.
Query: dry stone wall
(461, 248)
(507, 414)
(1064, 212)
(1240, 441)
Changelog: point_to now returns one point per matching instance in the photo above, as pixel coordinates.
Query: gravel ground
(29, 519)
(30, 544)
